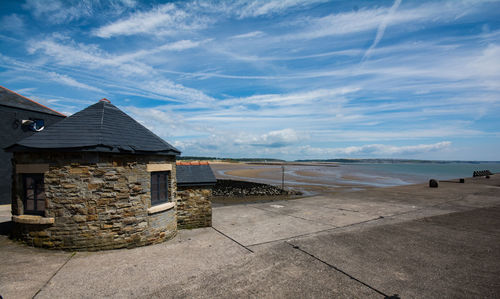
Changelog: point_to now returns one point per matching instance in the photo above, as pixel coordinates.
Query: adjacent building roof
(101, 127)
(12, 99)
(194, 173)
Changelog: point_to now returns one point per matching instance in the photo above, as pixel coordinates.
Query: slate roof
(101, 127)
(12, 99)
(195, 174)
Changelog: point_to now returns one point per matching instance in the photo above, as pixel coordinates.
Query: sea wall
(233, 188)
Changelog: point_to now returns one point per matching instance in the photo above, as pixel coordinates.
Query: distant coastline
(398, 161)
(324, 162)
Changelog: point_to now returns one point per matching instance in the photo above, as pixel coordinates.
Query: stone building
(195, 181)
(20, 117)
(100, 180)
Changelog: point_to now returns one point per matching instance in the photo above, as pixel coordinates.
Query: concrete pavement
(5, 213)
(413, 240)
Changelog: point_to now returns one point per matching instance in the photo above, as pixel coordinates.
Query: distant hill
(339, 160)
(230, 159)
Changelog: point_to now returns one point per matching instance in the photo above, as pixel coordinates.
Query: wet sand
(309, 179)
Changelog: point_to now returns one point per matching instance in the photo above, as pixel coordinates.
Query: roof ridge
(35, 102)
(102, 121)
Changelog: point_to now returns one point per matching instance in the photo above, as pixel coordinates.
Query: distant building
(20, 117)
(100, 180)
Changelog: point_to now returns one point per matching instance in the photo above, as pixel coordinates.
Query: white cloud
(257, 8)
(128, 3)
(233, 81)
(177, 92)
(165, 19)
(296, 98)
(381, 28)
(123, 72)
(68, 52)
(486, 66)
(287, 144)
(370, 19)
(13, 23)
(242, 9)
(161, 120)
(403, 133)
(177, 46)
(26, 90)
(279, 138)
(71, 53)
(60, 12)
(173, 19)
(249, 35)
(63, 79)
(55, 11)
(379, 150)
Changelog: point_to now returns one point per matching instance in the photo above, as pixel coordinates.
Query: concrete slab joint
(161, 208)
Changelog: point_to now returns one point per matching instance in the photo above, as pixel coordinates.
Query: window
(37, 125)
(159, 187)
(34, 194)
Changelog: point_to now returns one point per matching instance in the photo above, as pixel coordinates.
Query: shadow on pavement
(5, 228)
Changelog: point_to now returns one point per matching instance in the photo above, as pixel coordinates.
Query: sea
(309, 178)
(394, 174)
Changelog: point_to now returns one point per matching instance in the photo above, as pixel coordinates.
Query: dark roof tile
(100, 127)
(200, 174)
(12, 99)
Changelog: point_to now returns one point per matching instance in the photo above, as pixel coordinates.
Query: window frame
(157, 175)
(37, 177)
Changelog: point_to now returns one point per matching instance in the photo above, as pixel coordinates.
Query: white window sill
(33, 219)
(160, 208)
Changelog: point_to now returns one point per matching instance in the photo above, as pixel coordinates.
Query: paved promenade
(413, 241)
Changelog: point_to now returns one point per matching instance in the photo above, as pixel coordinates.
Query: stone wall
(98, 201)
(194, 207)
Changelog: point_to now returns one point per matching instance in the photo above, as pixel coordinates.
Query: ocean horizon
(412, 173)
(314, 177)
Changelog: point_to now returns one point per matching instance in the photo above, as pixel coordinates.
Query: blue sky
(291, 79)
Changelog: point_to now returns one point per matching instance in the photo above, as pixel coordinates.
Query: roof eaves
(197, 183)
(59, 113)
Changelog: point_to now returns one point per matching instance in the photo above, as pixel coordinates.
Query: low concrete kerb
(161, 208)
(32, 219)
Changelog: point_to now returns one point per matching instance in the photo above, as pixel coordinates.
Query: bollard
(433, 183)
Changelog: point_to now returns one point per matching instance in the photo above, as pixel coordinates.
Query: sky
(288, 79)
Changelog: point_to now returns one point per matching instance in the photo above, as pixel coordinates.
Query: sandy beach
(309, 179)
(332, 178)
